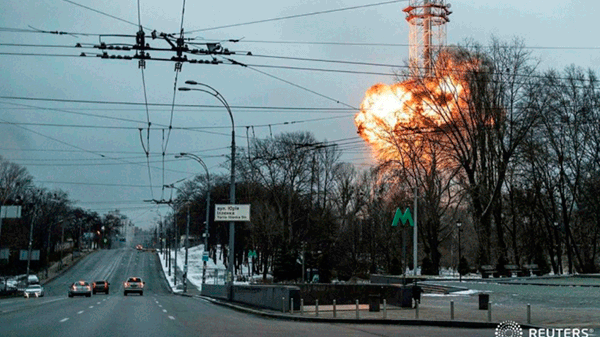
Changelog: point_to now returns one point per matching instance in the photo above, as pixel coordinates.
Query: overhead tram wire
(191, 106)
(297, 16)
(106, 14)
(178, 66)
(68, 144)
(381, 44)
(115, 152)
(142, 65)
(191, 128)
(302, 88)
(236, 63)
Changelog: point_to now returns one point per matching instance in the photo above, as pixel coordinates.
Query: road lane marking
(98, 303)
(164, 310)
(91, 306)
(64, 319)
(160, 306)
(81, 312)
(171, 317)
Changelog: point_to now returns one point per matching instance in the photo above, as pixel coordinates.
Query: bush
(463, 266)
(427, 267)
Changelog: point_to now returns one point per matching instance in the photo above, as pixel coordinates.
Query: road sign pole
(415, 237)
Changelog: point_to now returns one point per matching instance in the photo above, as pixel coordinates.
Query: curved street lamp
(201, 162)
(213, 92)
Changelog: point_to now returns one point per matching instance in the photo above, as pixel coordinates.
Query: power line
(382, 44)
(237, 107)
(301, 87)
(88, 126)
(115, 152)
(297, 16)
(233, 62)
(103, 13)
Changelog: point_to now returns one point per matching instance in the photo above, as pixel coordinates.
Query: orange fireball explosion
(391, 116)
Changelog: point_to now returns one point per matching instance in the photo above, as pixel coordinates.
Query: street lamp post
(201, 162)
(459, 252)
(213, 92)
(35, 210)
(176, 229)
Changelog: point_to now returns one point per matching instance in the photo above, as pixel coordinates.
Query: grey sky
(560, 32)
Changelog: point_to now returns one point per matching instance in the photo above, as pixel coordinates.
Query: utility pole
(176, 246)
(415, 231)
(187, 245)
(35, 210)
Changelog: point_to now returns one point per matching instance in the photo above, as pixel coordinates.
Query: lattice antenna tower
(427, 21)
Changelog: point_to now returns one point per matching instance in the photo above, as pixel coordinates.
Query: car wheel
(141, 294)
(124, 294)
(88, 295)
(70, 295)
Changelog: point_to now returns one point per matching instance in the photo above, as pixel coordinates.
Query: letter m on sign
(403, 217)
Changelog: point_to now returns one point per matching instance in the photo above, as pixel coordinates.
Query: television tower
(427, 20)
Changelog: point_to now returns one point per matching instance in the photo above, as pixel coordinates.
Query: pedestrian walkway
(175, 280)
(439, 308)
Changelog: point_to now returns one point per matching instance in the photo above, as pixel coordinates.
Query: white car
(34, 290)
(134, 285)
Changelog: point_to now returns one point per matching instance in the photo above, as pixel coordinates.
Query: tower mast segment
(427, 21)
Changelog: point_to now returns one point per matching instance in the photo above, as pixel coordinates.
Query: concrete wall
(267, 296)
(262, 296)
(344, 293)
(215, 291)
(390, 279)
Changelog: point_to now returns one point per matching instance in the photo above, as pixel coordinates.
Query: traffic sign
(403, 217)
(251, 253)
(24, 253)
(205, 256)
(232, 212)
(10, 212)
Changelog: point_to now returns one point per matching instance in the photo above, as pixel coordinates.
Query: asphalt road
(158, 312)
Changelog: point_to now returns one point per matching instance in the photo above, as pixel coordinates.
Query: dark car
(134, 285)
(100, 287)
(80, 288)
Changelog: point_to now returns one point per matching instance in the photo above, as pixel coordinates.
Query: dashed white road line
(98, 303)
(64, 319)
(160, 306)
(80, 312)
(171, 317)
(91, 306)
(164, 310)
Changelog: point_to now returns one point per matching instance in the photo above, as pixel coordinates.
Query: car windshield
(81, 283)
(100, 282)
(134, 279)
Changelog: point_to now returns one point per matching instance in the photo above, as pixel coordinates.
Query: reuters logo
(509, 329)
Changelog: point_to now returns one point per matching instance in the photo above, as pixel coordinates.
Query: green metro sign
(403, 217)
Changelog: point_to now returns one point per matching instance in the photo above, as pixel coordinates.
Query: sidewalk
(438, 308)
(568, 306)
(176, 286)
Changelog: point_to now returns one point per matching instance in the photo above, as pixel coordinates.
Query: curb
(161, 271)
(412, 322)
